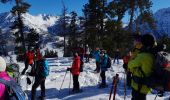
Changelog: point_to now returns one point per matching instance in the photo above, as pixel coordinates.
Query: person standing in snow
(75, 70)
(97, 57)
(41, 72)
(87, 50)
(3, 75)
(29, 59)
(142, 65)
(103, 67)
(116, 56)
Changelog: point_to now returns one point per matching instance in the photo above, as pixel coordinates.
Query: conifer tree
(18, 26)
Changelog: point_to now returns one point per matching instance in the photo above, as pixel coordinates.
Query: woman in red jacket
(75, 70)
(29, 60)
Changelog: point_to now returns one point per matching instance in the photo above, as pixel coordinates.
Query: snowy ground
(88, 81)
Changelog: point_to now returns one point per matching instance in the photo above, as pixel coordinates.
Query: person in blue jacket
(97, 57)
(103, 67)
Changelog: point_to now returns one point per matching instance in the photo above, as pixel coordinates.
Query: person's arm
(133, 64)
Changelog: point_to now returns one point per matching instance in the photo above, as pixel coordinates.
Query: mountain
(162, 22)
(162, 18)
(40, 22)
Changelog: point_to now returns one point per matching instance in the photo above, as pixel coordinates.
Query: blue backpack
(44, 68)
(13, 90)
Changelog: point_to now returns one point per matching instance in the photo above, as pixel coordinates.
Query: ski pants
(26, 67)
(103, 76)
(38, 81)
(97, 66)
(76, 82)
(136, 95)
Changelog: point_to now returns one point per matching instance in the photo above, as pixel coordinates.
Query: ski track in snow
(88, 82)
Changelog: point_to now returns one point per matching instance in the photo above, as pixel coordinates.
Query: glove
(68, 69)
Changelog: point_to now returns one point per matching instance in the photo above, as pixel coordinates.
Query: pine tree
(20, 8)
(143, 8)
(64, 25)
(73, 31)
(32, 38)
(3, 43)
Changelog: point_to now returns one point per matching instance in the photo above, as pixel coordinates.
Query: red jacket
(75, 69)
(30, 57)
(39, 55)
(126, 59)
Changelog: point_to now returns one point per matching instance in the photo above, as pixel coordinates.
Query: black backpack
(13, 90)
(109, 62)
(81, 65)
(160, 78)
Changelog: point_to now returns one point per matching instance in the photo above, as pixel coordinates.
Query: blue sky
(54, 7)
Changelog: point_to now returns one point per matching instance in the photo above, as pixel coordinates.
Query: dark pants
(38, 81)
(137, 95)
(116, 58)
(97, 66)
(76, 83)
(103, 76)
(87, 57)
(26, 67)
(129, 78)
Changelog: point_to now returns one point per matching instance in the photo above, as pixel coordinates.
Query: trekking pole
(63, 81)
(114, 86)
(125, 86)
(70, 84)
(156, 96)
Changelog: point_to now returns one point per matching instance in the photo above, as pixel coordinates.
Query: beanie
(2, 64)
(147, 40)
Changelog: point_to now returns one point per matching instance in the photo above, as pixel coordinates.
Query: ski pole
(125, 78)
(111, 91)
(115, 85)
(70, 84)
(63, 81)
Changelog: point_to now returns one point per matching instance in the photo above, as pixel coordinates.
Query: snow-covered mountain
(162, 18)
(41, 22)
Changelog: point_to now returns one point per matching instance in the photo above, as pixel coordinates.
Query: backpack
(81, 65)
(109, 62)
(160, 78)
(13, 71)
(13, 90)
(43, 68)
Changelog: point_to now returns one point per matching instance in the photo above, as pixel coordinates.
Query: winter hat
(2, 64)
(147, 40)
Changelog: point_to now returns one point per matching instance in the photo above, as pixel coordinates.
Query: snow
(88, 82)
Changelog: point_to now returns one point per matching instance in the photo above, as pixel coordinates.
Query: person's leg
(98, 66)
(43, 87)
(138, 96)
(74, 82)
(26, 67)
(34, 87)
(77, 87)
(102, 74)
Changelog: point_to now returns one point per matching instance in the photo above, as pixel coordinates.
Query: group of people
(39, 65)
(137, 62)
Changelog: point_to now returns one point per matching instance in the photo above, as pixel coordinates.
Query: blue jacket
(97, 55)
(103, 62)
